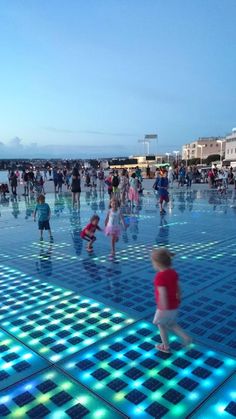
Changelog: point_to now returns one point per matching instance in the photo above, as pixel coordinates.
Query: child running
(88, 233)
(112, 224)
(44, 214)
(167, 293)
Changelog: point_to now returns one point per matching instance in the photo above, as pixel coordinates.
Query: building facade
(230, 147)
(203, 148)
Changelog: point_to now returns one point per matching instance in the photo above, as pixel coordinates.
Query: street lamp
(168, 156)
(176, 152)
(221, 149)
(201, 146)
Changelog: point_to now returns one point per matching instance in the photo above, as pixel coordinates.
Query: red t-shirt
(169, 280)
(90, 227)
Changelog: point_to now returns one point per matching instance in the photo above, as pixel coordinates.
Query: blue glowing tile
(173, 396)
(218, 333)
(57, 338)
(52, 394)
(157, 410)
(221, 404)
(20, 292)
(179, 380)
(16, 361)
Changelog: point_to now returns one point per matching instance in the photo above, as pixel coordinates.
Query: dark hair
(95, 217)
(41, 198)
(133, 175)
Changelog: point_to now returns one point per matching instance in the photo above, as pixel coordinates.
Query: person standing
(189, 177)
(163, 192)
(60, 181)
(182, 174)
(101, 180)
(44, 214)
(55, 179)
(13, 183)
(75, 188)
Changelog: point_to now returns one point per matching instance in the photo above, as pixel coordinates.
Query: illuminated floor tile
(53, 395)
(20, 292)
(221, 404)
(210, 317)
(130, 373)
(135, 295)
(65, 327)
(16, 361)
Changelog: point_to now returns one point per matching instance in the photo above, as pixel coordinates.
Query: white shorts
(165, 317)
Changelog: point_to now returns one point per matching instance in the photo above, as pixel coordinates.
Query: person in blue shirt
(163, 192)
(182, 175)
(44, 213)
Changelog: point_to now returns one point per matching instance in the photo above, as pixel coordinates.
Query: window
(232, 150)
(235, 150)
(211, 145)
(228, 151)
(217, 144)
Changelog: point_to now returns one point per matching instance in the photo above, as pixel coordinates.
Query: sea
(3, 176)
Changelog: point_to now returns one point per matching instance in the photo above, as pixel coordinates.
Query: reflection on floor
(76, 333)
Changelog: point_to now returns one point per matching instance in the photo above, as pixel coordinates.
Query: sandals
(163, 348)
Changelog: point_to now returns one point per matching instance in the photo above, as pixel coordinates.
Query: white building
(230, 148)
(203, 148)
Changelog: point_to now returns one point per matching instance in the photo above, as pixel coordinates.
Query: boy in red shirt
(88, 233)
(167, 294)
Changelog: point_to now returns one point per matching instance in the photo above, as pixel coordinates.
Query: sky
(92, 77)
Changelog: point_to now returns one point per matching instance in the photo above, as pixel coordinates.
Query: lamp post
(201, 146)
(176, 152)
(168, 157)
(221, 149)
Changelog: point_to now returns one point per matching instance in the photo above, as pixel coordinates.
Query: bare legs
(114, 240)
(177, 330)
(76, 199)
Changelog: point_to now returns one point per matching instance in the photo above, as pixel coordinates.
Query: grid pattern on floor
(210, 317)
(65, 327)
(20, 292)
(134, 292)
(16, 361)
(222, 404)
(138, 379)
(52, 394)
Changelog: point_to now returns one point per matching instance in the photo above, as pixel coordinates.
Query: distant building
(230, 147)
(203, 148)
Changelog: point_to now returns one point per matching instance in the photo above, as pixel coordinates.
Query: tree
(194, 162)
(212, 158)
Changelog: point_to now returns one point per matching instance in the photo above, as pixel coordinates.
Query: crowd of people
(124, 189)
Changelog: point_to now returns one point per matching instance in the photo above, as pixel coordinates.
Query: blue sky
(95, 76)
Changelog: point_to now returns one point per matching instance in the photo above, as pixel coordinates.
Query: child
(163, 192)
(167, 293)
(133, 190)
(115, 183)
(88, 232)
(44, 214)
(112, 224)
(108, 182)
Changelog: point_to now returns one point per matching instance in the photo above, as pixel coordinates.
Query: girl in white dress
(113, 222)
